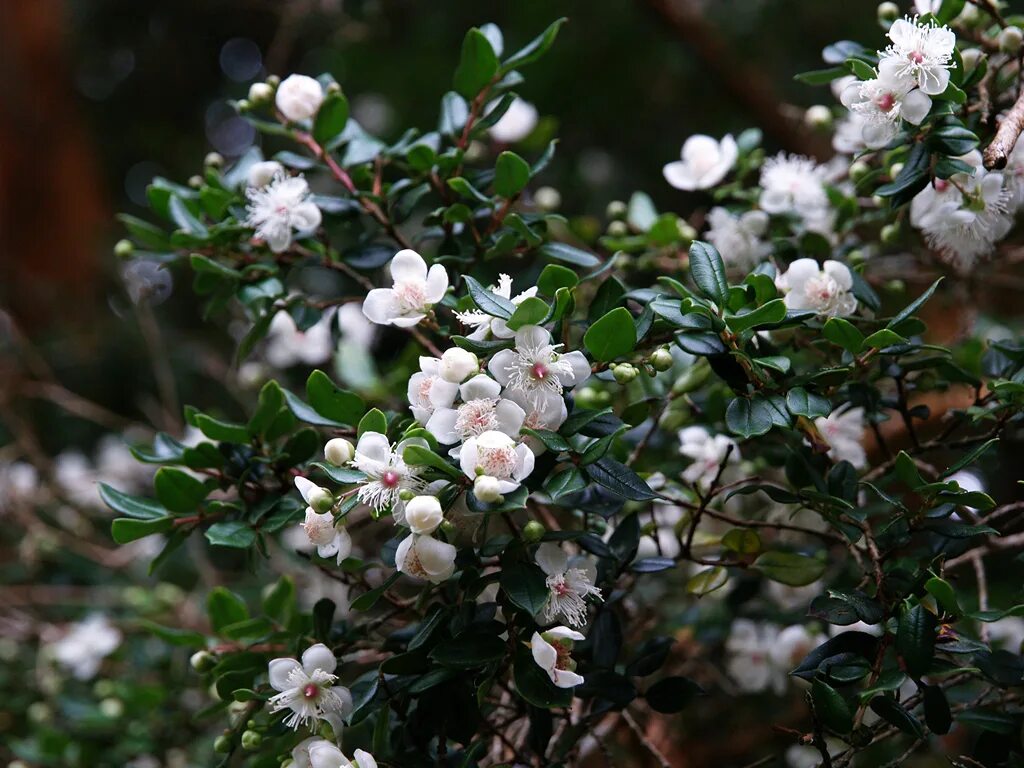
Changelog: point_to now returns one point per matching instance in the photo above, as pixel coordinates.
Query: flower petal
(407, 266)
(278, 671)
(551, 559)
(380, 306)
(318, 656)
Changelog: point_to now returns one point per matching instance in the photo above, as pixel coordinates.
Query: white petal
(278, 671)
(480, 387)
(437, 284)
(469, 457)
(563, 678)
(323, 754)
(799, 272)
(502, 360)
(406, 321)
(838, 272)
(305, 487)
(532, 336)
(551, 558)
(441, 425)
(373, 446)
(934, 80)
(510, 417)
(915, 107)
(442, 393)
(564, 632)
(306, 216)
(580, 368)
(437, 557)
(525, 465)
(679, 175)
(380, 306)
(318, 656)
(543, 653)
(408, 267)
(364, 759)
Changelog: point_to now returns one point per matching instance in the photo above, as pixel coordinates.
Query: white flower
(279, 208)
(537, 369)
(548, 414)
(791, 646)
(300, 753)
(496, 455)
(570, 583)
(882, 102)
(308, 689)
(485, 325)
(738, 238)
(299, 97)
(83, 648)
(844, 431)
(388, 474)
(428, 390)
(288, 346)
(330, 540)
(795, 184)
(516, 124)
(1007, 633)
(423, 514)
(262, 173)
(551, 650)
(848, 138)
(424, 557)
(825, 289)
(19, 480)
(324, 754)
(964, 216)
(708, 452)
(920, 52)
(416, 289)
(705, 162)
(749, 663)
(458, 364)
(481, 410)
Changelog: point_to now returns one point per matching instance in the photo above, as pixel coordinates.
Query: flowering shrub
(567, 444)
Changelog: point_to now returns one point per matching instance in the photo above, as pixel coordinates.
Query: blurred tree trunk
(52, 211)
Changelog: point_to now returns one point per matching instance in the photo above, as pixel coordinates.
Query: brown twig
(997, 152)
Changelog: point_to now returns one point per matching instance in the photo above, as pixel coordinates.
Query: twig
(1009, 131)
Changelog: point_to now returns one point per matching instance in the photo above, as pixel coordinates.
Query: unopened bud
(895, 170)
(458, 364)
(686, 230)
(486, 489)
(339, 451)
(260, 93)
(819, 116)
(624, 373)
(890, 234)
(222, 744)
(616, 210)
(213, 160)
(533, 531)
(887, 13)
(618, 229)
(1010, 40)
(623, 260)
(202, 661)
(333, 87)
(112, 708)
(896, 286)
(321, 500)
(273, 81)
(971, 57)
(123, 248)
(195, 181)
(251, 740)
(586, 397)
(243, 105)
(858, 170)
(855, 257)
(548, 198)
(661, 359)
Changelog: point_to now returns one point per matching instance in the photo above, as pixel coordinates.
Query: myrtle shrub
(571, 483)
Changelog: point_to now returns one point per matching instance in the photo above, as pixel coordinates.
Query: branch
(1009, 130)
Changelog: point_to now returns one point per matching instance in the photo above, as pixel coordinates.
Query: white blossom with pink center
(882, 102)
(387, 473)
(844, 432)
(922, 53)
(496, 455)
(482, 410)
(552, 651)
(308, 688)
(749, 657)
(825, 289)
(537, 368)
(415, 291)
(794, 184)
(424, 557)
(570, 582)
(330, 539)
(428, 390)
(280, 209)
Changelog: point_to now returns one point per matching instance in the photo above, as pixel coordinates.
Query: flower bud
(39, 712)
(819, 116)
(1010, 40)
(548, 198)
(333, 88)
(299, 97)
(896, 286)
(243, 105)
(623, 260)
(222, 744)
(424, 514)
(202, 661)
(123, 248)
(855, 257)
(321, 500)
(661, 359)
(260, 93)
(262, 173)
(112, 708)
(890, 234)
(618, 229)
(616, 210)
(686, 230)
(195, 181)
(339, 451)
(458, 364)
(895, 169)
(624, 373)
(251, 740)
(406, 495)
(586, 397)
(273, 81)
(887, 13)
(213, 160)
(533, 531)
(971, 58)
(969, 16)
(858, 170)
(475, 151)
(486, 489)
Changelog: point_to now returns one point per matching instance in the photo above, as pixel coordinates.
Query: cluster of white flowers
(487, 327)
(760, 656)
(329, 538)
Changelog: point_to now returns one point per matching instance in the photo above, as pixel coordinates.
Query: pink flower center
(390, 478)
(916, 56)
(886, 101)
(311, 691)
(941, 185)
(538, 370)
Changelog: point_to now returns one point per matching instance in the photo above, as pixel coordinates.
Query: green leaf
(772, 312)
(944, 595)
(830, 707)
(790, 568)
(133, 506)
(568, 254)
(953, 140)
(749, 417)
(896, 714)
(971, 457)
(742, 540)
(338, 405)
(844, 334)
(707, 581)
(911, 180)
(477, 64)
(330, 119)
(936, 709)
(469, 650)
(530, 311)
(368, 599)
(126, 529)
(708, 272)
(555, 276)
(511, 174)
(224, 607)
(612, 336)
(232, 533)
(488, 301)
(305, 413)
(800, 402)
(915, 639)
(174, 635)
(279, 602)
(525, 586)
(223, 431)
(373, 421)
(883, 338)
(564, 482)
(178, 490)
(620, 479)
(534, 49)
(270, 403)
(185, 219)
(205, 264)
(419, 456)
(913, 306)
